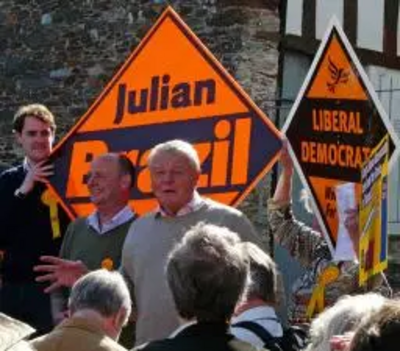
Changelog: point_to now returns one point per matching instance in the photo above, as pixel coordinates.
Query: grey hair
(207, 273)
(263, 273)
(177, 147)
(344, 316)
(380, 332)
(102, 291)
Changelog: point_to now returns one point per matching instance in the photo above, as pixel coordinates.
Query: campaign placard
(170, 87)
(334, 124)
(373, 246)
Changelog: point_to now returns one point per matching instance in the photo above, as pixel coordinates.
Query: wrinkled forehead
(171, 160)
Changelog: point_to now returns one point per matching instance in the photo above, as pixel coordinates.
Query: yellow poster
(373, 245)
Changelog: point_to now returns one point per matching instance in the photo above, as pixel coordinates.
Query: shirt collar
(121, 217)
(27, 166)
(192, 206)
(266, 312)
(181, 328)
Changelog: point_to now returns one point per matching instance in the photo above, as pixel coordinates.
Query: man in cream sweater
(174, 169)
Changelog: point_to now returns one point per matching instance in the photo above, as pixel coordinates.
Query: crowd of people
(193, 274)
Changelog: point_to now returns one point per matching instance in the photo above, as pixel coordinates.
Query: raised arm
(283, 191)
(302, 242)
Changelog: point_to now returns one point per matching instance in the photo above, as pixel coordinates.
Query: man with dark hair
(27, 228)
(206, 273)
(99, 307)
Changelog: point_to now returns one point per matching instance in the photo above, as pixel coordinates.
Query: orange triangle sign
(156, 85)
(336, 77)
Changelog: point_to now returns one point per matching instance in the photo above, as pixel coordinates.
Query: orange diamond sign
(335, 122)
(170, 87)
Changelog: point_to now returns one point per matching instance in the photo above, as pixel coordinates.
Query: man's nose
(169, 177)
(40, 138)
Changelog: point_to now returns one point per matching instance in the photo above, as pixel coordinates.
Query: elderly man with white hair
(99, 306)
(174, 169)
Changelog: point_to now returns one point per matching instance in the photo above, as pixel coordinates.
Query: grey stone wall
(63, 52)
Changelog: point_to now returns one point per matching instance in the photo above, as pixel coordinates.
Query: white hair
(102, 291)
(344, 316)
(177, 147)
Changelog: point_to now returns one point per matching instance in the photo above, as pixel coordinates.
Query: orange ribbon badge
(108, 264)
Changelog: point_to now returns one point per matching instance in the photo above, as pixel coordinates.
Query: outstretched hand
(59, 272)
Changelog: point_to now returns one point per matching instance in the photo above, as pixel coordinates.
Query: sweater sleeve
(303, 243)
(59, 298)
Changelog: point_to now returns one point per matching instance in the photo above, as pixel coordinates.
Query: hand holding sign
(36, 173)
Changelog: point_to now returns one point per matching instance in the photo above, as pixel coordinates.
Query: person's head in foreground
(381, 332)
(344, 316)
(103, 296)
(263, 274)
(207, 273)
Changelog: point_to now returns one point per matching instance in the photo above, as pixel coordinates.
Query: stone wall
(62, 53)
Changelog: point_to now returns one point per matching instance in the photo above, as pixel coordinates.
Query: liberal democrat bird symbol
(338, 76)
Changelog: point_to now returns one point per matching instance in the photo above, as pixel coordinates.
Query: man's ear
(53, 136)
(195, 178)
(18, 137)
(121, 318)
(126, 181)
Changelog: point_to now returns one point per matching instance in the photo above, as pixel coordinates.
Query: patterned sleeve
(304, 244)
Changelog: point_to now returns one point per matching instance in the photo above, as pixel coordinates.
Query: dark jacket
(200, 337)
(25, 227)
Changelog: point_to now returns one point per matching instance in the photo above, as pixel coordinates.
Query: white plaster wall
(324, 11)
(370, 24)
(386, 83)
(294, 15)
